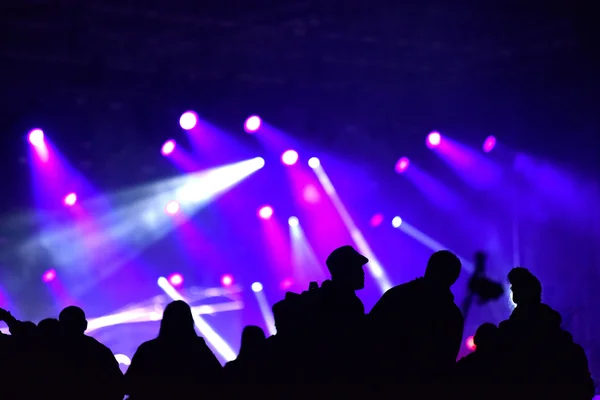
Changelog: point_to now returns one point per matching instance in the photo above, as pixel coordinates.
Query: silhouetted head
(526, 288)
(345, 265)
(29, 329)
(486, 336)
(253, 341)
(49, 328)
(177, 321)
(443, 268)
(72, 321)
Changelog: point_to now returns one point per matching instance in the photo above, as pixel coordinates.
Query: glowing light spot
(396, 222)
(49, 276)
(188, 120)
(286, 284)
(433, 139)
(252, 124)
(265, 212)
(257, 287)
(70, 200)
(376, 220)
(470, 343)
(176, 280)
(314, 162)
(36, 137)
(293, 221)
(289, 157)
(168, 148)
(172, 208)
(310, 194)
(402, 165)
(489, 144)
(227, 280)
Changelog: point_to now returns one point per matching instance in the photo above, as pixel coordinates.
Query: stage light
(252, 124)
(376, 220)
(489, 144)
(433, 139)
(36, 137)
(314, 162)
(227, 280)
(265, 212)
(310, 194)
(257, 287)
(172, 208)
(70, 200)
(188, 120)
(49, 276)
(402, 165)
(396, 222)
(470, 342)
(293, 221)
(176, 280)
(286, 284)
(168, 148)
(289, 157)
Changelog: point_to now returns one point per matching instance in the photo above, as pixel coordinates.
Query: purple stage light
(188, 120)
(402, 165)
(314, 162)
(489, 144)
(49, 276)
(433, 139)
(36, 137)
(176, 280)
(470, 342)
(252, 124)
(286, 284)
(172, 208)
(227, 280)
(376, 220)
(70, 200)
(168, 148)
(265, 212)
(289, 157)
(310, 194)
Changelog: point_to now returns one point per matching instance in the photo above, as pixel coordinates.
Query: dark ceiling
(107, 79)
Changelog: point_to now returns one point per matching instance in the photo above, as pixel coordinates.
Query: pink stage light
(286, 284)
(376, 220)
(176, 280)
(289, 157)
(470, 342)
(310, 194)
(252, 124)
(49, 276)
(489, 144)
(188, 120)
(168, 148)
(36, 137)
(265, 212)
(402, 165)
(172, 208)
(433, 139)
(70, 200)
(227, 280)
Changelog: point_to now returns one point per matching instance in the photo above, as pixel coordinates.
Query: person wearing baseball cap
(345, 265)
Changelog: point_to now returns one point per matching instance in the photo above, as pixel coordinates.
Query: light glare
(396, 222)
(36, 137)
(188, 120)
(252, 124)
(489, 144)
(257, 287)
(265, 212)
(172, 208)
(168, 148)
(289, 157)
(227, 280)
(402, 165)
(49, 276)
(176, 280)
(314, 162)
(433, 139)
(293, 221)
(70, 200)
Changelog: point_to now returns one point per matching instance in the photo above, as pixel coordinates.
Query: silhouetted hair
(49, 327)
(486, 335)
(72, 320)
(253, 340)
(526, 284)
(443, 268)
(177, 321)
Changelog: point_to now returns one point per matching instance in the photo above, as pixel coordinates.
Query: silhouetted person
(50, 365)
(249, 366)
(177, 364)
(417, 328)
(90, 368)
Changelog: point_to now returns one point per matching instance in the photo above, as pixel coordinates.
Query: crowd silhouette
(325, 346)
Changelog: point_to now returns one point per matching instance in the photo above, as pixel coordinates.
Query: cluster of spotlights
(266, 212)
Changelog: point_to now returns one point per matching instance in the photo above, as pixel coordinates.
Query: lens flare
(168, 148)
(172, 208)
(188, 120)
(290, 157)
(265, 212)
(252, 124)
(433, 139)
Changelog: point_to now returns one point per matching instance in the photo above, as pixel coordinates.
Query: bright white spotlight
(252, 124)
(36, 137)
(314, 162)
(172, 208)
(188, 120)
(293, 221)
(396, 222)
(257, 287)
(289, 157)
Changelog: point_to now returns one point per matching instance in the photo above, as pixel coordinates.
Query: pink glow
(489, 144)
(471, 343)
(310, 194)
(168, 148)
(402, 165)
(252, 124)
(227, 280)
(49, 276)
(265, 212)
(172, 208)
(188, 120)
(289, 157)
(433, 139)
(36, 137)
(286, 284)
(176, 280)
(376, 220)
(70, 200)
